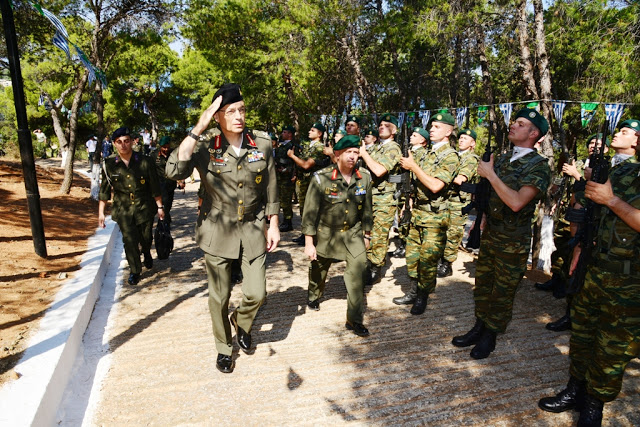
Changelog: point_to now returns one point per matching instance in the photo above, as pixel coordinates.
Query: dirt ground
(28, 283)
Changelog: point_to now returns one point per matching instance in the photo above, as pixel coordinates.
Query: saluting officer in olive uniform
(429, 217)
(385, 172)
(337, 225)
(167, 186)
(309, 159)
(605, 314)
(459, 199)
(133, 179)
(286, 173)
(238, 172)
(518, 179)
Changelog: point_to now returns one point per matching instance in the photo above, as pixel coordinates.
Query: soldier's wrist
(160, 207)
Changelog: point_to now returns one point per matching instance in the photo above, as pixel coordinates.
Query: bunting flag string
(400, 119)
(61, 42)
(483, 110)
(425, 115)
(558, 110)
(460, 115)
(613, 113)
(506, 110)
(587, 110)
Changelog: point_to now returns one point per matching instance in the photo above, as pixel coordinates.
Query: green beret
(274, 137)
(354, 119)
(386, 117)
(347, 141)
(341, 132)
(597, 136)
(373, 132)
(422, 132)
(445, 118)
(536, 118)
(230, 93)
(469, 132)
(319, 126)
(164, 141)
(631, 124)
(289, 128)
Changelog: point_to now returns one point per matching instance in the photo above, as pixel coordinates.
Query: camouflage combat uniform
(285, 171)
(384, 205)
(458, 200)
(429, 216)
(338, 214)
(309, 151)
(506, 240)
(605, 314)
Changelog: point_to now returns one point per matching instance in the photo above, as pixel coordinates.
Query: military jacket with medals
(315, 152)
(241, 188)
(337, 214)
(285, 166)
(134, 187)
(388, 154)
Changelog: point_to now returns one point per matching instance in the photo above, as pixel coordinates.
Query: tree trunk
(293, 114)
(486, 74)
(454, 78)
(65, 188)
(352, 53)
(525, 53)
(545, 75)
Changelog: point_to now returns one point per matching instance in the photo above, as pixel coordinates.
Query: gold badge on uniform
(258, 179)
(142, 181)
(327, 190)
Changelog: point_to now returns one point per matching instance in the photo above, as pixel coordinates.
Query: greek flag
(323, 119)
(506, 109)
(87, 64)
(55, 21)
(460, 115)
(614, 112)
(41, 100)
(375, 119)
(60, 41)
(400, 119)
(145, 109)
(558, 109)
(425, 115)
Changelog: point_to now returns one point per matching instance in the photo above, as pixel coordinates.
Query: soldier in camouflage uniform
(286, 175)
(136, 198)
(385, 170)
(459, 199)
(518, 178)
(337, 224)
(434, 171)
(606, 312)
(309, 159)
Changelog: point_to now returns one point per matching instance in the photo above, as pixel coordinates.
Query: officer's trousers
(254, 288)
(135, 236)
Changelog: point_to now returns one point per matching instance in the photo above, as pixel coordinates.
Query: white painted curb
(47, 364)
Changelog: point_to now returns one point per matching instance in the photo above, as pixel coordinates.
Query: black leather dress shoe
(314, 305)
(410, 296)
(243, 338)
(567, 399)
(148, 260)
(357, 328)
(591, 412)
(546, 286)
(286, 226)
(299, 240)
(376, 274)
(224, 364)
(486, 344)
(562, 324)
(133, 279)
(471, 337)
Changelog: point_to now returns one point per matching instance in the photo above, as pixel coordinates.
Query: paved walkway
(149, 356)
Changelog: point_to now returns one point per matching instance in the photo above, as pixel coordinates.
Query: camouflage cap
(347, 141)
(387, 117)
(354, 119)
(422, 132)
(631, 124)
(445, 118)
(536, 118)
(469, 132)
(319, 126)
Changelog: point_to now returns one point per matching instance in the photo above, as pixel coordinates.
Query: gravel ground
(307, 369)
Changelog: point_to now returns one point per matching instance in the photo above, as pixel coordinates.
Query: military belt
(510, 230)
(602, 262)
(244, 213)
(341, 228)
(426, 205)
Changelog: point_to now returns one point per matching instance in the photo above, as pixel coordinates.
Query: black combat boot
(569, 398)
(401, 249)
(148, 260)
(410, 296)
(471, 337)
(562, 324)
(376, 274)
(420, 304)
(299, 240)
(591, 412)
(550, 284)
(286, 225)
(486, 344)
(444, 269)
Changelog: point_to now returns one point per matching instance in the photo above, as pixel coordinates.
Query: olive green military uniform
(605, 314)
(458, 200)
(285, 171)
(242, 193)
(506, 240)
(313, 151)
(388, 154)
(430, 216)
(167, 186)
(338, 214)
(134, 188)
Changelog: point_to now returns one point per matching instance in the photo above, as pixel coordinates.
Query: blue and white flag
(425, 115)
(614, 112)
(145, 109)
(375, 118)
(558, 110)
(343, 120)
(87, 64)
(323, 120)
(57, 101)
(41, 100)
(400, 119)
(60, 41)
(461, 113)
(56, 22)
(506, 109)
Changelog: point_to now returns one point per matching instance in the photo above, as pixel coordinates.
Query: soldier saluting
(238, 173)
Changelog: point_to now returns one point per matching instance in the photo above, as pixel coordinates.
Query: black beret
(289, 128)
(319, 126)
(536, 118)
(347, 141)
(230, 93)
(123, 131)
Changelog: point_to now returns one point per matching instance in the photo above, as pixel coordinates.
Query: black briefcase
(163, 239)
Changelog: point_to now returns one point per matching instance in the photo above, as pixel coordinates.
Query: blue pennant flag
(145, 109)
(323, 120)
(60, 41)
(614, 112)
(425, 115)
(41, 100)
(460, 115)
(506, 109)
(558, 109)
(400, 119)
(56, 22)
(87, 64)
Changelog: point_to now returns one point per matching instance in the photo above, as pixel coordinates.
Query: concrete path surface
(149, 356)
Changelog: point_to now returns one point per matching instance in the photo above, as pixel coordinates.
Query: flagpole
(24, 136)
